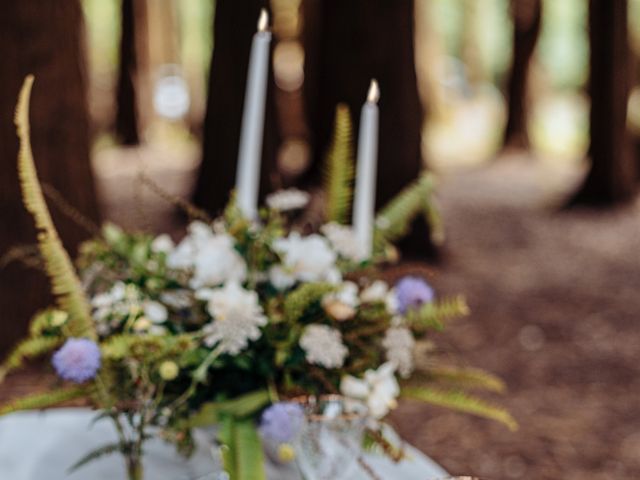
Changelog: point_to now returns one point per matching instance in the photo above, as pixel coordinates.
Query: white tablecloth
(42, 446)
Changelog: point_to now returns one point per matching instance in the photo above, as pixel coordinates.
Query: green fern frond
(461, 402)
(242, 458)
(339, 168)
(433, 315)
(95, 454)
(65, 284)
(466, 378)
(45, 400)
(394, 220)
(28, 349)
(302, 298)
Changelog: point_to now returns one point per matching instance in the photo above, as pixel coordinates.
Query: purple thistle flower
(78, 360)
(413, 292)
(282, 421)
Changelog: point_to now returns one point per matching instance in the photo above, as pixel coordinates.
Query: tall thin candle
(365, 193)
(250, 151)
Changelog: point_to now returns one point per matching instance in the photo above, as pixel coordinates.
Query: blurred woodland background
(528, 111)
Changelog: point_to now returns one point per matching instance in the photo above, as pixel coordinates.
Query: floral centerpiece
(232, 322)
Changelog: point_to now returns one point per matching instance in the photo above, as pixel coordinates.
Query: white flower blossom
(237, 317)
(342, 303)
(217, 261)
(343, 240)
(290, 199)
(155, 311)
(280, 278)
(162, 244)
(379, 291)
(378, 389)
(307, 259)
(399, 343)
(323, 346)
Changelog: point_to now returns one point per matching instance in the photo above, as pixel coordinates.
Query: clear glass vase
(330, 441)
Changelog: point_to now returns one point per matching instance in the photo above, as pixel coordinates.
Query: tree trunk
(527, 18)
(346, 45)
(234, 26)
(126, 127)
(612, 176)
(43, 38)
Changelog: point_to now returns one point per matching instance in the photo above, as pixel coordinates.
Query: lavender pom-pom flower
(413, 292)
(282, 421)
(78, 360)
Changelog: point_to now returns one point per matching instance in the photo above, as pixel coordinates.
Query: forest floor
(555, 309)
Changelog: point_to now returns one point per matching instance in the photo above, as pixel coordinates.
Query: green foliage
(298, 302)
(242, 450)
(64, 282)
(458, 378)
(457, 400)
(339, 168)
(45, 400)
(395, 219)
(239, 407)
(30, 348)
(99, 452)
(433, 315)
(146, 347)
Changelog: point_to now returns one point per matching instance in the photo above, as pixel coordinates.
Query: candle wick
(263, 20)
(374, 92)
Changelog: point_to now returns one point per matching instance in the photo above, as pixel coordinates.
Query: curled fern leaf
(45, 400)
(65, 284)
(395, 219)
(465, 378)
(28, 349)
(339, 168)
(462, 402)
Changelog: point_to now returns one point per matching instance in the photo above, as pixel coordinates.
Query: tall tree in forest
(612, 176)
(527, 19)
(234, 26)
(126, 124)
(346, 45)
(43, 38)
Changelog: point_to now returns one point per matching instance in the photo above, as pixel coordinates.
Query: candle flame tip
(263, 20)
(374, 92)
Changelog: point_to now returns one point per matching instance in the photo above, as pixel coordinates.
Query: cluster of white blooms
(304, 259)
(237, 317)
(323, 346)
(125, 302)
(210, 256)
(379, 291)
(399, 343)
(286, 200)
(378, 389)
(343, 240)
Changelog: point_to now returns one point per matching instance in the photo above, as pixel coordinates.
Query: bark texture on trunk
(234, 26)
(126, 125)
(43, 38)
(347, 43)
(612, 177)
(527, 19)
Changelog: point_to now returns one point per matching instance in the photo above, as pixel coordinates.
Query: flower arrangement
(230, 323)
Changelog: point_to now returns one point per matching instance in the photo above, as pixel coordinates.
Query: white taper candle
(250, 150)
(365, 192)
